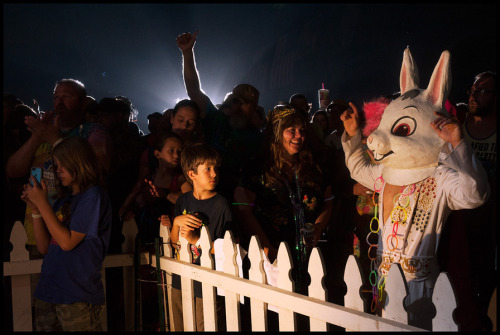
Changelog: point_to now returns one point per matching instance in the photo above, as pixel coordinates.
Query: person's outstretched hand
(45, 127)
(447, 128)
(350, 118)
(186, 41)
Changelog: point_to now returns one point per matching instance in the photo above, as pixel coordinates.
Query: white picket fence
(261, 295)
(350, 316)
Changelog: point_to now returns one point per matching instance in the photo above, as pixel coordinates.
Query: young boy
(202, 206)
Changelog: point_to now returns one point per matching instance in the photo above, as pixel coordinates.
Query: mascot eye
(404, 126)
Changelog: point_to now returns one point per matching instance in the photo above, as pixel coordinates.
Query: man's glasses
(480, 92)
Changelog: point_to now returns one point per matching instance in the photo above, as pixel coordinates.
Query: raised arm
(186, 42)
(350, 118)
(359, 166)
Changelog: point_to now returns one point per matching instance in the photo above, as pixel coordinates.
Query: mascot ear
(408, 79)
(439, 86)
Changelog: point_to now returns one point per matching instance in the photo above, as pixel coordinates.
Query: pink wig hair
(373, 113)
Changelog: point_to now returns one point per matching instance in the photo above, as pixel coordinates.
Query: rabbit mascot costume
(425, 169)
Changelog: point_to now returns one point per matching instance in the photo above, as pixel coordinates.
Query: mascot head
(404, 141)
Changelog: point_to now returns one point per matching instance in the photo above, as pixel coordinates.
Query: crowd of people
(230, 166)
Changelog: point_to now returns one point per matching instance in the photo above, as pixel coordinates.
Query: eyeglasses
(481, 92)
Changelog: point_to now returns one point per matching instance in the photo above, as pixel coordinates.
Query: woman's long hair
(77, 156)
(278, 120)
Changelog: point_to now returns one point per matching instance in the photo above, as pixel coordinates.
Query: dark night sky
(129, 49)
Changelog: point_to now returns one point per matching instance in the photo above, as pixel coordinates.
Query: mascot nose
(378, 142)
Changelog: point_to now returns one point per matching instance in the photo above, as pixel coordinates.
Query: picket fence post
(21, 285)
(256, 273)
(396, 290)
(316, 269)
(232, 298)
(209, 295)
(287, 320)
(354, 281)
(188, 300)
(444, 299)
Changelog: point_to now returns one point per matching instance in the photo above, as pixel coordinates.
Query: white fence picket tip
(317, 290)
(188, 301)
(396, 289)
(258, 309)
(232, 298)
(18, 238)
(354, 282)
(206, 261)
(445, 303)
(287, 319)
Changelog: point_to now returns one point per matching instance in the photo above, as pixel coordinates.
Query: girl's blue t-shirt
(74, 276)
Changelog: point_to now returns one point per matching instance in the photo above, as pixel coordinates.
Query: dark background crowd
(355, 49)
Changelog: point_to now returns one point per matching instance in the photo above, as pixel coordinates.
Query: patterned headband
(282, 112)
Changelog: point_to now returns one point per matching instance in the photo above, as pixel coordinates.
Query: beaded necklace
(298, 213)
(399, 216)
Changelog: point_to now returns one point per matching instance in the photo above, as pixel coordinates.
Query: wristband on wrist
(36, 216)
(59, 140)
